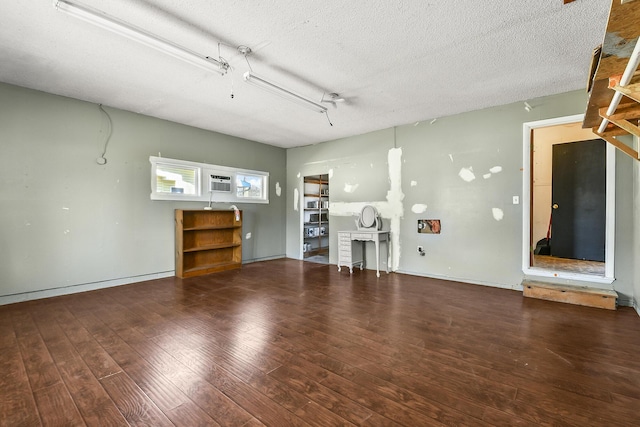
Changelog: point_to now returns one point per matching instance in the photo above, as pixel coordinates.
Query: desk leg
(377, 241)
(387, 246)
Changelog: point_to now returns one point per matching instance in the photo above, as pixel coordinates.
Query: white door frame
(527, 246)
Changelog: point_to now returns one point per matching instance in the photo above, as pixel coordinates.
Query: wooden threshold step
(579, 295)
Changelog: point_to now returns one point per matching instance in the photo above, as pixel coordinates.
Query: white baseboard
(515, 287)
(82, 287)
(268, 258)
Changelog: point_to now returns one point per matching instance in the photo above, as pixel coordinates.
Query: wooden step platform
(579, 295)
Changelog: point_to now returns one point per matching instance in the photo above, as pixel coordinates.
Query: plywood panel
(600, 298)
(621, 36)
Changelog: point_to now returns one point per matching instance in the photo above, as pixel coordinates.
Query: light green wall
(474, 246)
(69, 224)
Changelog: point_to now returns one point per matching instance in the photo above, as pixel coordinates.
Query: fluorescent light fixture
(139, 35)
(262, 83)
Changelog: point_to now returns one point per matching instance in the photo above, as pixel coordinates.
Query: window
(173, 179)
(250, 186)
(177, 179)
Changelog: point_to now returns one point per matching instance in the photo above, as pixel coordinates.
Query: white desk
(351, 253)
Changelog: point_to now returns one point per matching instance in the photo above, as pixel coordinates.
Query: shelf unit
(613, 108)
(315, 210)
(207, 241)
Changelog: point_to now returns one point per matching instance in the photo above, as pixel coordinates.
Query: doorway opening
(582, 218)
(315, 218)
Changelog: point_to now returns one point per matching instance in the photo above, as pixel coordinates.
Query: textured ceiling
(395, 62)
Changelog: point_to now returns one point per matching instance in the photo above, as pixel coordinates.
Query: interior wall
(70, 224)
(636, 229)
(543, 141)
(463, 170)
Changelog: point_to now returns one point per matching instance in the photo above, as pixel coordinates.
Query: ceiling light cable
(102, 160)
(139, 35)
(326, 113)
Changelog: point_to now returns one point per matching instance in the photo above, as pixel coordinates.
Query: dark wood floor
(292, 343)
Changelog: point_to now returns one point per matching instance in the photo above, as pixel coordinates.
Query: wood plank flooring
(285, 342)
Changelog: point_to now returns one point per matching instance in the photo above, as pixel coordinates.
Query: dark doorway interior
(579, 200)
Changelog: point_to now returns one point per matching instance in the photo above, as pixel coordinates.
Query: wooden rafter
(623, 112)
(614, 108)
(630, 91)
(618, 144)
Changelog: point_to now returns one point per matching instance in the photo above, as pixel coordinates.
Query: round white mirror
(368, 216)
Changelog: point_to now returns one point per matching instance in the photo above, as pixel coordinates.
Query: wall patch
(350, 188)
(467, 174)
(418, 208)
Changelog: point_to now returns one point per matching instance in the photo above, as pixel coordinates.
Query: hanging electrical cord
(232, 81)
(102, 160)
(326, 113)
(245, 51)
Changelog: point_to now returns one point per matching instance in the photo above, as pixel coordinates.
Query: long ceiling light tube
(139, 35)
(276, 89)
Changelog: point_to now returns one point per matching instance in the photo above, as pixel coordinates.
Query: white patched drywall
(392, 209)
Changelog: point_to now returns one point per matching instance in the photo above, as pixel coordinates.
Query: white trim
(82, 287)
(514, 287)
(532, 272)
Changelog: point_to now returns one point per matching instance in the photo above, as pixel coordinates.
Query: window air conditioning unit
(220, 183)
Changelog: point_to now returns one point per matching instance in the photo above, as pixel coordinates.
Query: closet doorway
(571, 164)
(315, 218)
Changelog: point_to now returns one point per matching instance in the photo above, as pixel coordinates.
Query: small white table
(350, 254)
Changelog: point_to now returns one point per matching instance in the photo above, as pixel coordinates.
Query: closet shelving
(315, 215)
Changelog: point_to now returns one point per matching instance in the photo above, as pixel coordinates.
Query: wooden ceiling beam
(630, 91)
(611, 130)
(619, 145)
(623, 112)
(626, 125)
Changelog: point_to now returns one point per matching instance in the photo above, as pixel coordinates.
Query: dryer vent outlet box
(220, 183)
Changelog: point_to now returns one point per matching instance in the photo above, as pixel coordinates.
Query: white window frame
(203, 193)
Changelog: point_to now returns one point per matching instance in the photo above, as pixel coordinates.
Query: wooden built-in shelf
(212, 247)
(207, 241)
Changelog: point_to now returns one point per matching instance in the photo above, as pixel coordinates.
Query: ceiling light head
(331, 98)
(245, 50)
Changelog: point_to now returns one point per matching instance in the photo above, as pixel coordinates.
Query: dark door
(579, 200)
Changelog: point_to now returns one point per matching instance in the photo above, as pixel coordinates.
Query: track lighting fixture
(276, 89)
(139, 35)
